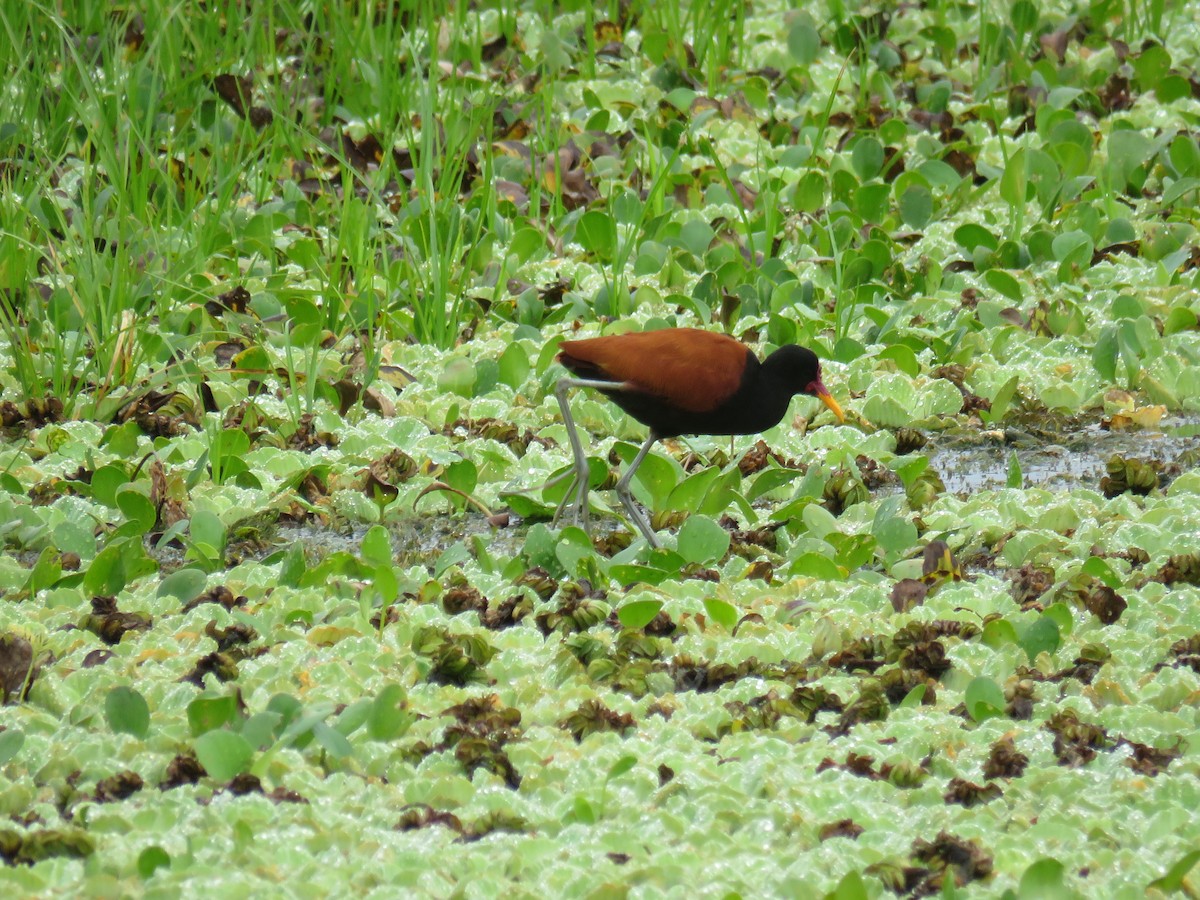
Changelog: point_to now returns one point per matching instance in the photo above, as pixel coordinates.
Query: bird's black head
(798, 370)
(794, 365)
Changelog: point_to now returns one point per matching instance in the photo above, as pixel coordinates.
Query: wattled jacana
(683, 381)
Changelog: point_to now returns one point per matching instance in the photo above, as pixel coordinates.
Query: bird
(680, 381)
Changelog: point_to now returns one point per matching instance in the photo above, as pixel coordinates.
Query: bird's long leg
(579, 515)
(627, 498)
(579, 508)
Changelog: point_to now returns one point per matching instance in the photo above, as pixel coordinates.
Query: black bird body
(684, 381)
(688, 381)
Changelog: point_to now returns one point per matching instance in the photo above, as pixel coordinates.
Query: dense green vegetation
(282, 604)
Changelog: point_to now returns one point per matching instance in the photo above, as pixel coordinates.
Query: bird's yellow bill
(827, 399)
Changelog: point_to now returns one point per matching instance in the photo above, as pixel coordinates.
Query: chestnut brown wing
(689, 368)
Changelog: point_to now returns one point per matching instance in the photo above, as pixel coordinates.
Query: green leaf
(351, 718)
(689, 493)
(771, 479)
(596, 232)
(1173, 880)
(377, 546)
(695, 237)
(851, 887)
(1015, 477)
(914, 697)
(454, 555)
(1179, 319)
(287, 707)
(106, 480)
(183, 584)
(702, 541)
(526, 242)
(724, 614)
(74, 537)
(819, 520)
(106, 575)
(1014, 183)
(151, 859)
(984, 699)
(972, 235)
(1101, 569)
(514, 366)
(575, 552)
(224, 754)
(1044, 879)
(657, 475)
(804, 43)
(627, 574)
(208, 530)
(45, 572)
(127, 712)
(261, 729)
(293, 566)
(723, 492)
(871, 202)
(389, 718)
(1041, 636)
(1062, 616)
(458, 377)
(11, 742)
(909, 469)
(904, 358)
(1130, 346)
(1151, 65)
(207, 713)
(867, 157)
(583, 810)
(638, 613)
(998, 632)
(818, 566)
(1002, 399)
(1024, 16)
(525, 506)
(1004, 283)
(853, 551)
(539, 549)
(1127, 151)
(1104, 354)
(122, 440)
(916, 206)
(487, 376)
(331, 740)
(809, 195)
(621, 766)
(892, 528)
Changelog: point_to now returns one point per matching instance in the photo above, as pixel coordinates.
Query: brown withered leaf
(17, 669)
(1075, 741)
(966, 793)
(1106, 604)
(908, 593)
(593, 717)
(1148, 760)
(222, 665)
(183, 769)
(963, 860)
(110, 624)
(847, 828)
(118, 787)
(1004, 760)
(235, 91)
(421, 815)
